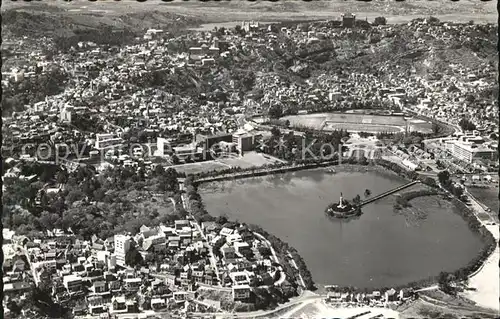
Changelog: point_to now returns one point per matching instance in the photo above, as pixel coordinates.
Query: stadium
(359, 123)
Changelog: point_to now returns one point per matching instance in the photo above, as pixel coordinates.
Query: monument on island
(343, 209)
(341, 203)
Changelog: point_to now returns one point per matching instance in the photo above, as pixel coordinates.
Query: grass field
(357, 122)
(358, 127)
(250, 159)
(195, 168)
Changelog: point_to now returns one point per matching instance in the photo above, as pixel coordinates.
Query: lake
(380, 249)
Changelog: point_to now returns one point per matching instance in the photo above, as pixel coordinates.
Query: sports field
(249, 159)
(358, 127)
(358, 122)
(200, 167)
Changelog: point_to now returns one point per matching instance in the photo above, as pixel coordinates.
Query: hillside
(44, 18)
(48, 20)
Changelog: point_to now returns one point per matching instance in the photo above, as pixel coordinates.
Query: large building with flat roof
(468, 151)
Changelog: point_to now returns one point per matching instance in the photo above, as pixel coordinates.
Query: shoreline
(487, 294)
(342, 167)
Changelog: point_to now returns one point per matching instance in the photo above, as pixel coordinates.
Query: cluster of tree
(278, 123)
(489, 241)
(167, 179)
(312, 146)
(37, 304)
(447, 281)
(103, 36)
(195, 202)
(86, 123)
(354, 159)
(445, 181)
(270, 297)
(380, 21)
(397, 169)
(276, 111)
(89, 203)
(234, 170)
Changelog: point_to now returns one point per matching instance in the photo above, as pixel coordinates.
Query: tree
(444, 178)
(175, 159)
(275, 132)
(380, 21)
(62, 177)
(159, 170)
(466, 125)
(99, 194)
(46, 176)
(458, 191)
(74, 195)
(14, 308)
(430, 181)
(221, 220)
(435, 129)
(239, 29)
(363, 161)
(276, 111)
(357, 199)
(444, 282)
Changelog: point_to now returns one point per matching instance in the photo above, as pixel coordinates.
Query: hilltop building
(348, 20)
(250, 26)
(65, 113)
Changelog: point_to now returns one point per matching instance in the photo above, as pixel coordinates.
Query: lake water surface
(379, 249)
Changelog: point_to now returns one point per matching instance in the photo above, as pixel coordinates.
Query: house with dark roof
(229, 252)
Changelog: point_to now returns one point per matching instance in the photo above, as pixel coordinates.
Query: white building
(65, 113)
(107, 140)
(122, 246)
(162, 146)
(468, 151)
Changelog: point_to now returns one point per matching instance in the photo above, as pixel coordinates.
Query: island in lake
(343, 209)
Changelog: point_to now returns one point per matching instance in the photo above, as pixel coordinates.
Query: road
(294, 264)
